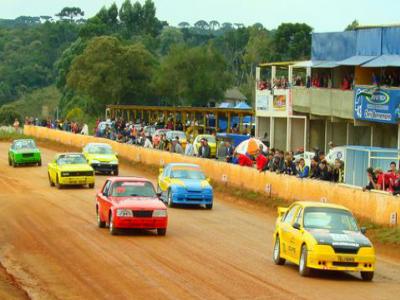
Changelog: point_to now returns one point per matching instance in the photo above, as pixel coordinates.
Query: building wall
(298, 132)
(385, 135)
(338, 133)
(280, 133)
(317, 134)
(263, 127)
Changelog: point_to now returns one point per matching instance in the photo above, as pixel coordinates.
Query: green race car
(24, 152)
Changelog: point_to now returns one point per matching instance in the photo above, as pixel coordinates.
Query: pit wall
(379, 207)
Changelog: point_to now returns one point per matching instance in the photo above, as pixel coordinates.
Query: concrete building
(349, 93)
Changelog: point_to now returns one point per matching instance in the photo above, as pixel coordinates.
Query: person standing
(16, 124)
(303, 170)
(204, 150)
(189, 150)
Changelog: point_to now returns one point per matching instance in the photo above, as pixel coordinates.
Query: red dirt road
(52, 249)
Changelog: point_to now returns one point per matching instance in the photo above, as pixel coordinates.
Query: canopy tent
(242, 105)
(307, 64)
(356, 60)
(226, 105)
(384, 61)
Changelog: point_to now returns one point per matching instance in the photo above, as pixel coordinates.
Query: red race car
(130, 202)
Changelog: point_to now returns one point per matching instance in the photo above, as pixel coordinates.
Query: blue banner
(377, 105)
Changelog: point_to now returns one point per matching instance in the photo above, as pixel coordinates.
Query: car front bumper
(81, 180)
(140, 223)
(324, 258)
(104, 167)
(192, 198)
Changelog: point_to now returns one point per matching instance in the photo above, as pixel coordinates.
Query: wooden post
(240, 123)
(184, 120)
(204, 122)
(228, 130)
(216, 122)
(174, 118)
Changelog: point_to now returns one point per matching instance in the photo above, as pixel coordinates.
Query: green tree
(214, 25)
(292, 41)
(352, 26)
(201, 24)
(170, 36)
(109, 72)
(184, 25)
(70, 13)
(192, 76)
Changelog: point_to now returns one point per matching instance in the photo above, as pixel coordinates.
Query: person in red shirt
(261, 161)
(391, 176)
(243, 160)
(381, 181)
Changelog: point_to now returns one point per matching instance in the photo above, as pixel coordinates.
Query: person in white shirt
(189, 150)
(85, 129)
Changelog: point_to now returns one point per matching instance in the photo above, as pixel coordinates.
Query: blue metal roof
(384, 61)
(356, 60)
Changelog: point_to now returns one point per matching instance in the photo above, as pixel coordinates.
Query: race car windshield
(100, 150)
(187, 174)
(28, 144)
(133, 189)
(71, 160)
(329, 218)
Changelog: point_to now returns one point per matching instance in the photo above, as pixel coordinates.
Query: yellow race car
(70, 169)
(102, 158)
(322, 236)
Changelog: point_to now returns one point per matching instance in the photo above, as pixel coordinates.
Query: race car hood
(31, 150)
(102, 157)
(140, 203)
(340, 238)
(76, 167)
(192, 184)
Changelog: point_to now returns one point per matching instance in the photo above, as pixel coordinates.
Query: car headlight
(114, 162)
(124, 213)
(159, 213)
(95, 161)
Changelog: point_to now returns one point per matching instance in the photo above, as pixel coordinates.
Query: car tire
(115, 172)
(161, 231)
(13, 163)
(58, 185)
(209, 206)
(39, 163)
(111, 228)
(276, 253)
(50, 181)
(169, 199)
(367, 276)
(9, 161)
(100, 223)
(91, 185)
(303, 269)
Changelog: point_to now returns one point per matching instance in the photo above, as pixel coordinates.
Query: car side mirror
(159, 195)
(363, 230)
(296, 226)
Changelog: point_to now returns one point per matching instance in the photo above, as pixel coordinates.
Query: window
(106, 188)
(299, 216)
(132, 189)
(329, 218)
(289, 215)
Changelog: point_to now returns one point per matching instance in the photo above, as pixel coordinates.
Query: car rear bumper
(140, 223)
(363, 261)
(27, 160)
(77, 180)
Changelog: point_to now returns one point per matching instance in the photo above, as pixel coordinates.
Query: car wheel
(50, 181)
(367, 276)
(58, 185)
(276, 255)
(100, 223)
(169, 199)
(111, 227)
(9, 161)
(161, 231)
(91, 185)
(13, 163)
(116, 172)
(209, 206)
(303, 269)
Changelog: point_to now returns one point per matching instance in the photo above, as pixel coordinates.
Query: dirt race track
(50, 248)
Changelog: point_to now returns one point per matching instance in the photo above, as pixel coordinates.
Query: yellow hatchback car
(322, 236)
(70, 169)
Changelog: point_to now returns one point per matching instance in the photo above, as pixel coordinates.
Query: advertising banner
(377, 105)
(276, 103)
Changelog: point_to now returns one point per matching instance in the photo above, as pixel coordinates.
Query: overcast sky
(322, 15)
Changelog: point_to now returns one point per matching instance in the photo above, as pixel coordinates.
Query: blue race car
(185, 184)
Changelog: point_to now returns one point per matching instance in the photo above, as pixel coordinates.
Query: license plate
(346, 259)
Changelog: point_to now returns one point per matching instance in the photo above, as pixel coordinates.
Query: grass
(6, 136)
